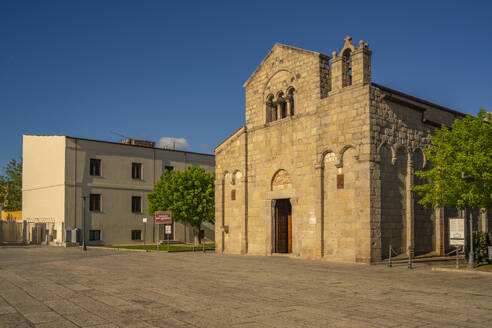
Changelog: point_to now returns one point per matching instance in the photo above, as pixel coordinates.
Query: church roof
(285, 46)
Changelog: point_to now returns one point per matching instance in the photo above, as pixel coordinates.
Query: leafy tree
(461, 158)
(188, 195)
(11, 186)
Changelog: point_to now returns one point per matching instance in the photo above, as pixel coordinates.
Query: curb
(461, 271)
(149, 251)
(117, 249)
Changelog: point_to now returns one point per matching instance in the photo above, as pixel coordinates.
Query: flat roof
(118, 143)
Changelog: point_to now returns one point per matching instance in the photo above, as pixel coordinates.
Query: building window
(290, 104)
(271, 112)
(136, 234)
(136, 171)
(94, 235)
(169, 168)
(283, 109)
(136, 204)
(95, 202)
(281, 106)
(347, 68)
(95, 167)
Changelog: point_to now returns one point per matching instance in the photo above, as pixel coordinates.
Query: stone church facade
(323, 166)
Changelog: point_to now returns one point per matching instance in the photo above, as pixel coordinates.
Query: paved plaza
(59, 287)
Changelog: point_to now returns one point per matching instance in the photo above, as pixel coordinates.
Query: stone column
(319, 208)
(219, 200)
(410, 219)
(361, 64)
(279, 109)
(484, 227)
(244, 225)
(269, 114)
(289, 107)
(336, 71)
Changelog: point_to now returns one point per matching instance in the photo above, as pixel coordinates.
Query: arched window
(282, 105)
(347, 68)
(271, 111)
(290, 102)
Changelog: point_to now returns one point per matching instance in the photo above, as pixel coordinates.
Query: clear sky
(154, 69)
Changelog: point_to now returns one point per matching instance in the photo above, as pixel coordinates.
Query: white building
(58, 171)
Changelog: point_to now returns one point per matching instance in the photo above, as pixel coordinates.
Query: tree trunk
(196, 235)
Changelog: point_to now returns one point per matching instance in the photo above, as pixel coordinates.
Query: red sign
(163, 217)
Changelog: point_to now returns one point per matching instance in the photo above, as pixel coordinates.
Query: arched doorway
(282, 226)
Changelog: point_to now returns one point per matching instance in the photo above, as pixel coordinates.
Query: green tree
(461, 158)
(188, 195)
(11, 186)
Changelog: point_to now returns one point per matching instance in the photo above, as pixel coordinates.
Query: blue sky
(153, 69)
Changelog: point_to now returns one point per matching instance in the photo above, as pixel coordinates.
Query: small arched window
(347, 68)
(271, 111)
(282, 105)
(290, 100)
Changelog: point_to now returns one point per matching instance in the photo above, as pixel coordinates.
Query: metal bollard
(389, 260)
(457, 257)
(410, 255)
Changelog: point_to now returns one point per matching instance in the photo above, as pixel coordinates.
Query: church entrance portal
(283, 226)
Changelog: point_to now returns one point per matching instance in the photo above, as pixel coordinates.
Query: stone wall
(393, 178)
(231, 194)
(424, 226)
(400, 129)
(344, 141)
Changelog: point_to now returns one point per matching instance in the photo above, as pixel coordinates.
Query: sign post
(168, 234)
(156, 229)
(456, 232)
(165, 217)
(471, 255)
(457, 235)
(457, 257)
(144, 220)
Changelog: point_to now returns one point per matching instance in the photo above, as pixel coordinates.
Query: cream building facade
(323, 166)
(115, 179)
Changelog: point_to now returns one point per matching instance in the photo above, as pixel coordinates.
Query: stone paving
(59, 287)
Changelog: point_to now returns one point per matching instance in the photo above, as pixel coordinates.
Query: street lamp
(84, 247)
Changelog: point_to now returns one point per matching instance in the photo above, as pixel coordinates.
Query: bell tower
(352, 66)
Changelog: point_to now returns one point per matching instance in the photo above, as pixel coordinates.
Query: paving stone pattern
(58, 287)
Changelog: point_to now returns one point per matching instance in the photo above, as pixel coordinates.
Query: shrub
(481, 241)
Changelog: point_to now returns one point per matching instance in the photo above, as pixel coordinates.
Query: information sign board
(163, 217)
(457, 231)
(168, 230)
